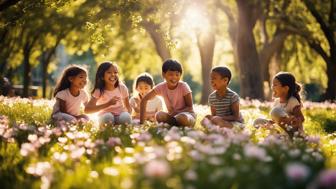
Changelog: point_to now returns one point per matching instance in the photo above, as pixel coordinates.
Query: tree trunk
(44, 77)
(158, 39)
(45, 61)
(251, 80)
(206, 46)
(330, 93)
(26, 70)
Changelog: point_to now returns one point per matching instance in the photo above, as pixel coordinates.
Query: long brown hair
(64, 82)
(99, 82)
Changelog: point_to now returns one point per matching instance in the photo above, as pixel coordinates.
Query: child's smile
(172, 78)
(217, 82)
(111, 75)
(79, 81)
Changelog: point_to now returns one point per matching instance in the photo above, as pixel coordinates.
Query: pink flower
(313, 139)
(256, 152)
(157, 169)
(327, 178)
(26, 149)
(297, 171)
(77, 153)
(113, 141)
(190, 175)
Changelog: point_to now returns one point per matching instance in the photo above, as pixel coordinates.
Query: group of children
(110, 98)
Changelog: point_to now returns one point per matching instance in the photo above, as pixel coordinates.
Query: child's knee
(124, 118)
(185, 120)
(260, 122)
(106, 118)
(63, 116)
(161, 117)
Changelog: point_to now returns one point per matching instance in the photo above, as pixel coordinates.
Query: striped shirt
(222, 105)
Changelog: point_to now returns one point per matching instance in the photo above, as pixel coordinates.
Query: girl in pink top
(109, 96)
(176, 94)
(143, 84)
(70, 95)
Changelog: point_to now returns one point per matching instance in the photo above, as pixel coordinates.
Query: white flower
(297, 171)
(39, 169)
(94, 174)
(157, 169)
(61, 157)
(256, 152)
(111, 171)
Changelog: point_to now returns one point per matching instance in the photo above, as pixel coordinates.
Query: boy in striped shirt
(224, 102)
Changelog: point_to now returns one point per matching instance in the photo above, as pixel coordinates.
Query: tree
(327, 24)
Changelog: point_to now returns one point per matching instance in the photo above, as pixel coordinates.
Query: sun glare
(196, 20)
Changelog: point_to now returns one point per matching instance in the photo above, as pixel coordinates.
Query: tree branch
(332, 12)
(326, 30)
(8, 3)
(317, 47)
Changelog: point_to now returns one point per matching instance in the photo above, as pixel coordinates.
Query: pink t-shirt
(174, 99)
(72, 103)
(117, 108)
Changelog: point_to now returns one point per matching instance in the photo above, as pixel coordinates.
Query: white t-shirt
(72, 103)
(116, 109)
(287, 106)
(154, 105)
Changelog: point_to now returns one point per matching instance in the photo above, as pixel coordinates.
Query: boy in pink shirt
(176, 94)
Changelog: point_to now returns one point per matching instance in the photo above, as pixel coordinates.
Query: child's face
(278, 89)
(79, 81)
(172, 78)
(111, 76)
(217, 81)
(143, 88)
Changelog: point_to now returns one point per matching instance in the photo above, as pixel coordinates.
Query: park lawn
(34, 153)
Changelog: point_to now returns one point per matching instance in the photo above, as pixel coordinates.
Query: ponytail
(287, 79)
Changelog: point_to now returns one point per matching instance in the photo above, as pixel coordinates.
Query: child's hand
(294, 122)
(114, 100)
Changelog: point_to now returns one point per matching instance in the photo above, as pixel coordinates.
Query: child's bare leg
(165, 118)
(220, 122)
(185, 119)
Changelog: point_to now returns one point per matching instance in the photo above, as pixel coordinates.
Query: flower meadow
(37, 153)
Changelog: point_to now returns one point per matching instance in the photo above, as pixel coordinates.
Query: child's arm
(213, 113)
(189, 102)
(135, 104)
(126, 103)
(297, 119)
(92, 106)
(235, 111)
(143, 104)
(294, 120)
(61, 105)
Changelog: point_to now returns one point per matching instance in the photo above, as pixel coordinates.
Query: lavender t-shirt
(174, 99)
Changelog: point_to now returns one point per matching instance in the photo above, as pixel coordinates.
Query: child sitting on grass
(224, 103)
